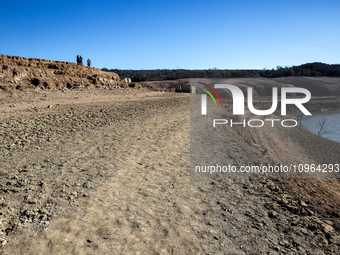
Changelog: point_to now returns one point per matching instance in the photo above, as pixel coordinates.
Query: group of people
(80, 61)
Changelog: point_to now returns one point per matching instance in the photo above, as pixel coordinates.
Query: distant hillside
(310, 69)
(262, 86)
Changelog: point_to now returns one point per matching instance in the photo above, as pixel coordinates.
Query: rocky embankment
(31, 73)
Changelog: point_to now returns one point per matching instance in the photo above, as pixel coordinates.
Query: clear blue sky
(169, 34)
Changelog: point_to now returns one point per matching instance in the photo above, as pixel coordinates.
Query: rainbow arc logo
(204, 97)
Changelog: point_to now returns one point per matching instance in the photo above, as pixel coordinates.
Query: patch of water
(331, 126)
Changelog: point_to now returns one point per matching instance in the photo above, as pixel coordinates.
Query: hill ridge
(31, 73)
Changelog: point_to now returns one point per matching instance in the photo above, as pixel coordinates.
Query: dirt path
(114, 179)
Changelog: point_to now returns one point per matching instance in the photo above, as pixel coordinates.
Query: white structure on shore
(192, 89)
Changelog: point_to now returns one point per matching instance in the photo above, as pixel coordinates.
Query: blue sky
(170, 34)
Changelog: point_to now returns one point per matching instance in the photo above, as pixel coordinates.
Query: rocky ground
(107, 172)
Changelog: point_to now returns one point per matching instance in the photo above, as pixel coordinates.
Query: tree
(321, 124)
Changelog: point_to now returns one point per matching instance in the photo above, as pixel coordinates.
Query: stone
(295, 221)
(327, 228)
(43, 211)
(272, 214)
(303, 203)
(32, 201)
(2, 242)
(304, 231)
(335, 240)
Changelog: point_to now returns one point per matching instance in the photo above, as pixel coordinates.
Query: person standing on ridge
(88, 62)
(78, 60)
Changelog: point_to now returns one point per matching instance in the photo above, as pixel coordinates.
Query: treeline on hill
(310, 69)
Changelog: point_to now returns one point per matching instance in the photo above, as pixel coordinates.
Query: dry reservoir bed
(113, 178)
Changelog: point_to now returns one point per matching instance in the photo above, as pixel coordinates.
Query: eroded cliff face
(31, 73)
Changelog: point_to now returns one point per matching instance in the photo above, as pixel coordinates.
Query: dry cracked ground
(113, 178)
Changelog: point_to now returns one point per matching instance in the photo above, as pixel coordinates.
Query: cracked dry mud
(113, 178)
